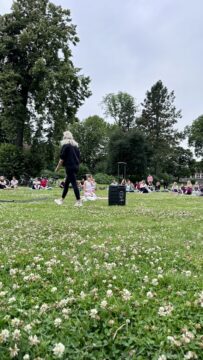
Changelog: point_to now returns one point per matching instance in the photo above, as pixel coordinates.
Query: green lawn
(102, 282)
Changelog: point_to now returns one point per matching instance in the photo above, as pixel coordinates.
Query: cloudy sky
(127, 45)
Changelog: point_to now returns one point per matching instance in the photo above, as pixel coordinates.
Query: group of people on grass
(148, 186)
(40, 183)
(188, 189)
(7, 185)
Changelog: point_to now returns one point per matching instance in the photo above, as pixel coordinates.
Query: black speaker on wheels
(117, 195)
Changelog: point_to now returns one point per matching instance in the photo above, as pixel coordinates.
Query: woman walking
(70, 159)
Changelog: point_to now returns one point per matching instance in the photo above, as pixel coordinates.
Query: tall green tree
(180, 163)
(92, 135)
(122, 108)
(130, 147)
(159, 115)
(195, 137)
(39, 85)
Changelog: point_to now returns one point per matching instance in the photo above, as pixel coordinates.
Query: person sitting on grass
(144, 188)
(43, 183)
(36, 184)
(129, 186)
(196, 189)
(89, 191)
(188, 190)
(182, 189)
(175, 187)
(158, 186)
(114, 182)
(14, 183)
(3, 184)
(123, 182)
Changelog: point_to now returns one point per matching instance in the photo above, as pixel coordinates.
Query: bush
(52, 174)
(83, 170)
(101, 167)
(102, 178)
(34, 162)
(11, 161)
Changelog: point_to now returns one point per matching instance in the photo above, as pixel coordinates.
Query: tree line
(41, 91)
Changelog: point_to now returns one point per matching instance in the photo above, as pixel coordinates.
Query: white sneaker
(59, 201)
(78, 203)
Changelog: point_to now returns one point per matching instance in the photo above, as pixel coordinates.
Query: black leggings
(71, 178)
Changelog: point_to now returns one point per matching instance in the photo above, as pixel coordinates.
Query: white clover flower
(103, 304)
(16, 335)
(57, 322)
(187, 337)
(82, 295)
(162, 357)
(187, 273)
(14, 351)
(16, 286)
(146, 279)
(126, 294)
(54, 289)
(111, 322)
(165, 310)
(200, 300)
(15, 322)
(190, 355)
(93, 313)
(155, 282)
(26, 357)
(43, 308)
(58, 350)
(3, 293)
(109, 293)
(33, 340)
(150, 294)
(62, 303)
(174, 341)
(28, 328)
(13, 272)
(12, 300)
(4, 335)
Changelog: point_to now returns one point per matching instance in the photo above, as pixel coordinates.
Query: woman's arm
(60, 163)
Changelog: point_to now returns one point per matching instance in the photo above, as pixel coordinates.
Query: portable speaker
(117, 195)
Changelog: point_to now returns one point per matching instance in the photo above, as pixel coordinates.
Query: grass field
(101, 282)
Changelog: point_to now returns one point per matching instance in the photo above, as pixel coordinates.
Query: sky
(128, 45)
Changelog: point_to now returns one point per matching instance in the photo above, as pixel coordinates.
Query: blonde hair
(68, 139)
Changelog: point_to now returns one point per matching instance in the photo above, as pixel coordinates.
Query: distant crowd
(148, 186)
(35, 184)
(88, 186)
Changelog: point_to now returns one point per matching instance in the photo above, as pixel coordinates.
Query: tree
(11, 160)
(130, 147)
(196, 135)
(39, 85)
(180, 163)
(157, 120)
(122, 108)
(92, 135)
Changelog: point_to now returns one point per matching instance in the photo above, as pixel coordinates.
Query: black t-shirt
(71, 156)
